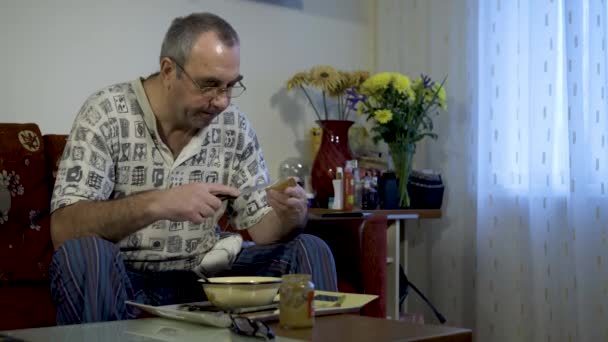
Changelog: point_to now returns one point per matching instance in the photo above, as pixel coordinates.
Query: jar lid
(296, 277)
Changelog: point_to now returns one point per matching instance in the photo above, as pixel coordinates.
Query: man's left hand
(291, 205)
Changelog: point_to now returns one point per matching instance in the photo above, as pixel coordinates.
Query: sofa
(28, 165)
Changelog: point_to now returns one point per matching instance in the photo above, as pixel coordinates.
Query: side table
(397, 249)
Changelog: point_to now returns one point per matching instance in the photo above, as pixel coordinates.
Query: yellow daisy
(383, 116)
(429, 94)
(403, 84)
(356, 78)
(324, 77)
(417, 83)
(301, 78)
(441, 96)
(316, 131)
(376, 83)
(342, 83)
(360, 108)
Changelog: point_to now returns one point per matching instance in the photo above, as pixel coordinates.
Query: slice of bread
(283, 184)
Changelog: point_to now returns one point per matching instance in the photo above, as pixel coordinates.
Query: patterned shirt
(114, 151)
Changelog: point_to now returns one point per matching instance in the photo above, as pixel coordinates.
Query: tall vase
(403, 155)
(333, 153)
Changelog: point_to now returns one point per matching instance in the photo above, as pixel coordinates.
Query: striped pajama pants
(90, 282)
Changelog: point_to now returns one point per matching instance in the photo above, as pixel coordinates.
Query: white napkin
(220, 257)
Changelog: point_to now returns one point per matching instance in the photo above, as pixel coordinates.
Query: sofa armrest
(359, 247)
(26, 305)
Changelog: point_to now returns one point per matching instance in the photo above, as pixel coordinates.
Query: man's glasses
(231, 92)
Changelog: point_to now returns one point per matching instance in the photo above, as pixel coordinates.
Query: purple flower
(427, 83)
(353, 98)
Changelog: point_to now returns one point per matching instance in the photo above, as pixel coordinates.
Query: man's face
(202, 90)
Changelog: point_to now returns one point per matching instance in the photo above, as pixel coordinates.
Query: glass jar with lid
(296, 303)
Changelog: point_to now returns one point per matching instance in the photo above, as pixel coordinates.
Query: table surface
(361, 328)
(421, 213)
(327, 328)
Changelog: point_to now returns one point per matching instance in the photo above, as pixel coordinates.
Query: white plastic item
(337, 205)
(339, 172)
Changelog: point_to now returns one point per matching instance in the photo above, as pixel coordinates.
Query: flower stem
(402, 154)
(312, 103)
(325, 105)
(346, 112)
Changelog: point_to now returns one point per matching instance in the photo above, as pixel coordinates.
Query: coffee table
(362, 328)
(327, 328)
(136, 330)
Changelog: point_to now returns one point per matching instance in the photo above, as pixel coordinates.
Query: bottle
(296, 303)
(348, 185)
(310, 199)
(357, 185)
(338, 190)
(365, 194)
(370, 195)
(367, 187)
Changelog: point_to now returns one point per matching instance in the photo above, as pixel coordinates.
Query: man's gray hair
(184, 31)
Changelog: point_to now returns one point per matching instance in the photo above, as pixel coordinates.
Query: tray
(326, 303)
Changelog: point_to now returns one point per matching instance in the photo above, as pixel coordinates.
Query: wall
(54, 54)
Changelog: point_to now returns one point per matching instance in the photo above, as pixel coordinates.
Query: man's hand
(291, 205)
(114, 220)
(191, 202)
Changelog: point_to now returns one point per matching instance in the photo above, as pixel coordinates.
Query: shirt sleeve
(86, 170)
(251, 170)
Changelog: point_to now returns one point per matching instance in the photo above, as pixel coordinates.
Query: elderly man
(143, 181)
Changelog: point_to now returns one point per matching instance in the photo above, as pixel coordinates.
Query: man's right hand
(191, 202)
(115, 220)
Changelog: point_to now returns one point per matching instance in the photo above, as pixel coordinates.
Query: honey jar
(296, 303)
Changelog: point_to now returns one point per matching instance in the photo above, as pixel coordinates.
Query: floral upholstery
(26, 249)
(53, 149)
(25, 244)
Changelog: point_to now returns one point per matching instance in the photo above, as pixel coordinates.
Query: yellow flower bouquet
(401, 112)
(335, 87)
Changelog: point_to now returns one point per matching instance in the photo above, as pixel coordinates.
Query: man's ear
(167, 69)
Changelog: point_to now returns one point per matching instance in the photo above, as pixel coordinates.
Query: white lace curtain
(521, 253)
(543, 169)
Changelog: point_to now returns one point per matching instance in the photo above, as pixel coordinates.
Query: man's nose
(221, 100)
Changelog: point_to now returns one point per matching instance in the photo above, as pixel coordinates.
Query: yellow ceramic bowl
(238, 292)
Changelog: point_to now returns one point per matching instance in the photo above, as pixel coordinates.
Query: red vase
(333, 152)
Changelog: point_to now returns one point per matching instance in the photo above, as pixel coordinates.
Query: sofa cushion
(25, 244)
(26, 306)
(54, 145)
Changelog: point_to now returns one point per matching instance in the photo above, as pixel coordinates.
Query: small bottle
(310, 198)
(348, 187)
(338, 184)
(296, 303)
(375, 181)
(357, 185)
(365, 193)
(370, 195)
